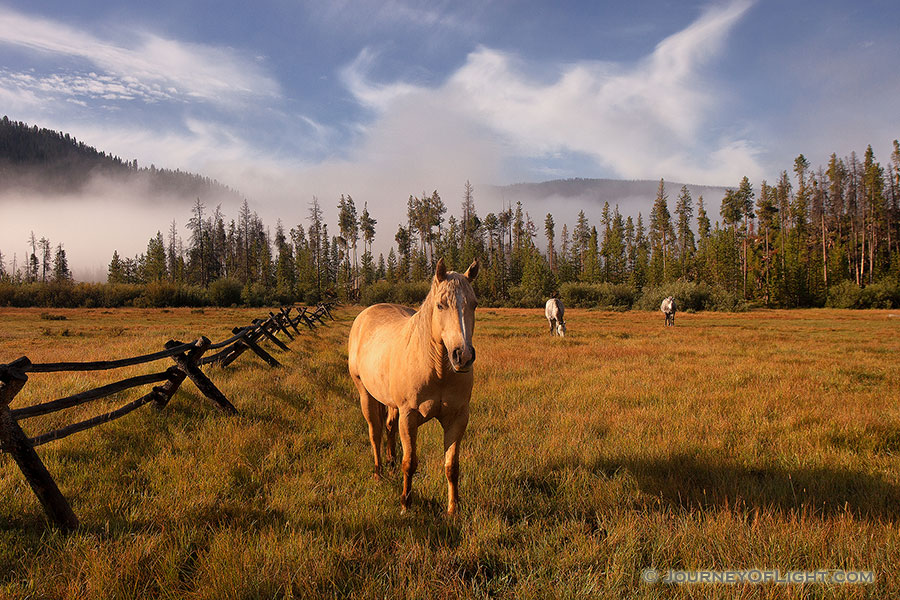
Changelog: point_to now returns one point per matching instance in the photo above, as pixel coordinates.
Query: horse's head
(453, 317)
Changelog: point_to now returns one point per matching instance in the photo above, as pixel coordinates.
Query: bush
(846, 294)
(311, 297)
(162, 293)
(255, 294)
(376, 293)
(225, 292)
(110, 295)
(601, 295)
(881, 294)
(411, 293)
(691, 296)
(521, 296)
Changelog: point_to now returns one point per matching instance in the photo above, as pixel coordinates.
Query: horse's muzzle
(462, 361)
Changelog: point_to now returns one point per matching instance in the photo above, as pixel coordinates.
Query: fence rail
(188, 358)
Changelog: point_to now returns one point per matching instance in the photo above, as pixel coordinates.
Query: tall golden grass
(768, 439)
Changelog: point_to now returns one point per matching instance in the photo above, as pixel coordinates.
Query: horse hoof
(403, 510)
(376, 476)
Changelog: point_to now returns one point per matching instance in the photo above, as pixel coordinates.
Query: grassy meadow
(768, 439)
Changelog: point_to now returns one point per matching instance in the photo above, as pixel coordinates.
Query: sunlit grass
(768, 439)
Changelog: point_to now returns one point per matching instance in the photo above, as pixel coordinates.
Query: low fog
(417, 147)
(107, 216)
(104, 216)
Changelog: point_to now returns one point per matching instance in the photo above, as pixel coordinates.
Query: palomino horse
(410, 367)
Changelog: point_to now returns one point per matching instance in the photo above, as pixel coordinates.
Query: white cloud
(377, 96)
(83, 86)
(369, 15)
(647, 120)
(149, 62)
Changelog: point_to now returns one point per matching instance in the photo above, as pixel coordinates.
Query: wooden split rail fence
(188, 358)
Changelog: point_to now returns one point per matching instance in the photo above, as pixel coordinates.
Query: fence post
(302, 316)
(277, 320)
(287, 316)
(317, 315)
(188, 364)
(14, 441)
(264, 327)
(327, 309)
(168, 389)
(249, 341)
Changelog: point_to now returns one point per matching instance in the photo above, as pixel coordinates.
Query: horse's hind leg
(373, 411)
(393, 416)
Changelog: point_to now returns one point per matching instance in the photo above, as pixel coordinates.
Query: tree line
(813, 237)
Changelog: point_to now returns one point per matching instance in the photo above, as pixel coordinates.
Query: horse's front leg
(454, 428)
(408, 423)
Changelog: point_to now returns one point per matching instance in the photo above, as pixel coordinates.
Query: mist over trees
(820, 236)
(47, 161)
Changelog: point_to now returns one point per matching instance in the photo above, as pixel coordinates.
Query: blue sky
(286, 99)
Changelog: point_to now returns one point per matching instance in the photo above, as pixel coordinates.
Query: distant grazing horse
(411, 366)
(555, 313)
(668, 308)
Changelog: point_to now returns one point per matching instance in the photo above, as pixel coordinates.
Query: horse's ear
(440, 271)
(472, 271)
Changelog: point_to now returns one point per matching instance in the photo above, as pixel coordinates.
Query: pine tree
(403, 248)
(391, 273)
(549, 232)
(873, 181)
(606, 223)
(684, 211)
(348, 223)
(116, 272)
(32, 269)
(642, 255)
(616, 249)
(176, 271)
(46, 257)
(285, 269)
(662, 236)
(766, 212)
(744, 197)
(197, 260)
(316, 235)
(381, 272)
(155, 260)
(367, 227)
(61, 272)
(581, 237)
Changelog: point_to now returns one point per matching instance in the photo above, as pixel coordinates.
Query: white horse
(668, 308)
(555, 313)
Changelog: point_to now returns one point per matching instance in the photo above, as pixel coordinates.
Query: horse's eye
(441, 306)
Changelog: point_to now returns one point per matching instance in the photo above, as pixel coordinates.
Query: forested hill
(52, 162)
